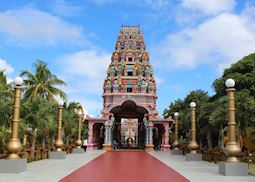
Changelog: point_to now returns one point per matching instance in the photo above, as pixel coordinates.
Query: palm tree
(42, 83)
(70, 119)
(6, 90)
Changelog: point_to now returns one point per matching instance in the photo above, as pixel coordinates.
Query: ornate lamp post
(59, 154)
(193, 146)
(79, 141)
(59, 142)
(14, 146)
(232, 166)
(176, 143)
(232, 149)
(78, 149)
(13, 163)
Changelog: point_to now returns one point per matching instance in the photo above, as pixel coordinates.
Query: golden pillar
(232, 149)
(59, 142)
(14, 146)
(193, 146)
(176, 143)
(79, 141)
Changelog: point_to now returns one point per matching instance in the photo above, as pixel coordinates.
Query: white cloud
(63, 8)
(4, 66)
(88, 63)
(209, 7)
(176, 87)
(158, 4)
(221, 40)
(33, 27)
(84, 72)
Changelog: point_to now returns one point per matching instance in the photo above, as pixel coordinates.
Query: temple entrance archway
(98, 135)
(128, 128)
(158, 136)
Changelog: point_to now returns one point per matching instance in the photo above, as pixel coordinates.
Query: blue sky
(190, 42)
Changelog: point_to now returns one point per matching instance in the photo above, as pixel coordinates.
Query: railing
(39, 153)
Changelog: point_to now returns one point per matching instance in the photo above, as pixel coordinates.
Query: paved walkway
(198, 171)
(54, 170)
(49, 170)
(125, 166)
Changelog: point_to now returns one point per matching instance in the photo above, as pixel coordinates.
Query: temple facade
(129, 116)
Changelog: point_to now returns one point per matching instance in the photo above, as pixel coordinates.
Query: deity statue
(151, 71)
(135, 70)
(139, 83)
(150, 87)
(108, 71)
(119, 83)
(119, 70)
(113, 71)
(115, 57)
(147, 71)
(119, 46)
(122, 56)
(140, 70)
(135, 87)
(108, 86)
(130, 45)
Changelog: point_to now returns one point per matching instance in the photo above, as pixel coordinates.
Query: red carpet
(125, 166)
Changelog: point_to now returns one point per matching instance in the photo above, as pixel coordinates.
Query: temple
(129, 116)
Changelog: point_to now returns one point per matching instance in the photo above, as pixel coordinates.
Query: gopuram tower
(129, 116)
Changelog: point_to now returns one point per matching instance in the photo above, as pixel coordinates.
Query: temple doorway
(98, 135)
(129, 129)
(158, 136)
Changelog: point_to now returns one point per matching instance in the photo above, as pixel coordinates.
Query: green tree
(70, 120)
(43, 83)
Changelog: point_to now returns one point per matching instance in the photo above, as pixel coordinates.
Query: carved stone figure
(147, 71)
(113, 71)
(119, 70)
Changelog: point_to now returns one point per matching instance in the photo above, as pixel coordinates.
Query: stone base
(90, 147)
(193, 157)
(233, 169)
(149, 148)
(78, 151)
(57, 155)
(107, 147)
(13, 166)
(176, 152)
(166, 148)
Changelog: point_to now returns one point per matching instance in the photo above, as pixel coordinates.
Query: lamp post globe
(192, 105)
(176, 114)
(60, 102)
(230, 83)
(18, 81)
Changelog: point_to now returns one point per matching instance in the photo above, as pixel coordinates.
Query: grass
(252, 167)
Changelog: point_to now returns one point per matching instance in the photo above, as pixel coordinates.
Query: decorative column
(14, 146)
(166, 146)
(79, 142)
(59, 142)
(232, 166)
(59, 154)
(108, 132)
(90, 145)
(176, 142)
(193, 146)
(149, 146)
(12, 163)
